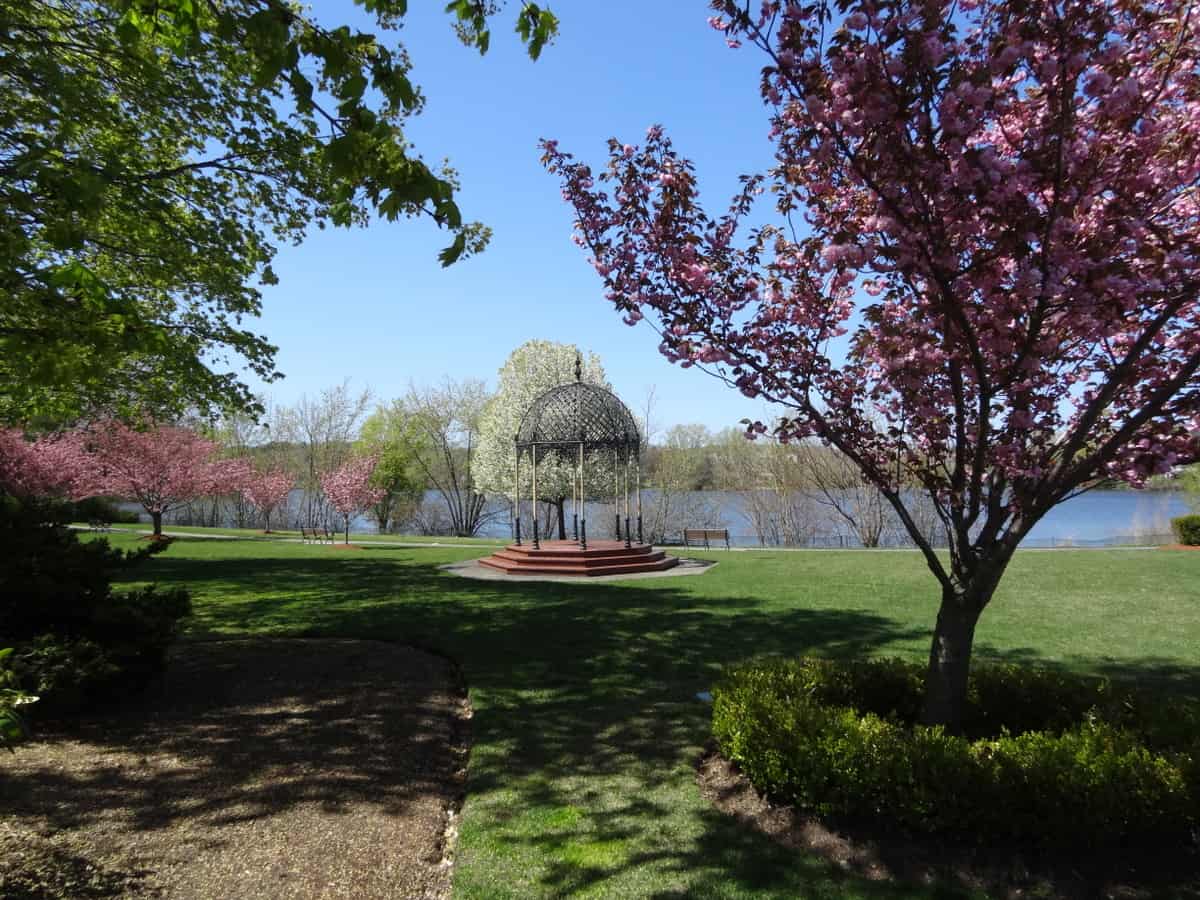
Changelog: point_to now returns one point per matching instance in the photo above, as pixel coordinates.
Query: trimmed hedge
(1047, 758)
(1187, 530)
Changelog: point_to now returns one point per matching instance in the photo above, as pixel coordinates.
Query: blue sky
(373, 304)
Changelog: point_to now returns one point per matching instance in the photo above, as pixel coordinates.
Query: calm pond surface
(1097, 518)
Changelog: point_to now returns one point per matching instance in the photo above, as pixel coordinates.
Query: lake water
(1097, 518)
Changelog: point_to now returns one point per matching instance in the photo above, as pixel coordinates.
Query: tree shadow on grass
(586, 721)
(585, 700)
(244, 754)
(1149, 673)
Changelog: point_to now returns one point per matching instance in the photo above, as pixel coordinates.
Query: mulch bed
(265, 768)
(868, 851)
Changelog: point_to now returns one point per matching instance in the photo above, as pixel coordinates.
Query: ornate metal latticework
(578, 413)
(576, 422)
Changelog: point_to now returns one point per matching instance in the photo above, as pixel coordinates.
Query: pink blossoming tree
(349, 490)
(998, 203)
(50, 466)
(161, 468)
(267, 491)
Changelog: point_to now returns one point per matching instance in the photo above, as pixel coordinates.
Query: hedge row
(1187, 530)
(1049, 758)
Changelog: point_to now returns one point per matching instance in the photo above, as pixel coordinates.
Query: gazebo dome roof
(578, 413)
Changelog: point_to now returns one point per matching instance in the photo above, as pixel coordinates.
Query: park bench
(316, 535)
(704, 535)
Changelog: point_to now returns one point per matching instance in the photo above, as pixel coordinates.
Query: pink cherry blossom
(348, 488)
(267, 491)
(999, 204)
(160, 468)
(50, 466)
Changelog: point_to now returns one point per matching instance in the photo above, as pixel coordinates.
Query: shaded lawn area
(586, 729)
(290, 533)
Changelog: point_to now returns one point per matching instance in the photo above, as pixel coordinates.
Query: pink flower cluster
(160, 468)
(267, 491)
(50, 466)
(348, 488)
(1002, 210)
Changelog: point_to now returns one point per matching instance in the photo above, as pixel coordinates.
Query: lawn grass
(586, 726)
(288, 533)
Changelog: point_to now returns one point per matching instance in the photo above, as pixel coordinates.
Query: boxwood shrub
(1187, 530)
(1047, 758)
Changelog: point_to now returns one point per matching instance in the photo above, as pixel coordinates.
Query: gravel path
(265, 768)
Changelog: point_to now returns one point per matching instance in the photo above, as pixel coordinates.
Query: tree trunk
(950, 658)
(156, 518)
(347, 529)
(561, 503)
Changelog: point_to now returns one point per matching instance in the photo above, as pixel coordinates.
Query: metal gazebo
(577, 422)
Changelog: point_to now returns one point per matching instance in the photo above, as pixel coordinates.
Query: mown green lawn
(586, 726)
(290, 533)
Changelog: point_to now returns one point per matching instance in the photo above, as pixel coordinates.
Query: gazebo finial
(578, 366)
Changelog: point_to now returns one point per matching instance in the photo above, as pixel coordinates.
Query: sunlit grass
(586, 726)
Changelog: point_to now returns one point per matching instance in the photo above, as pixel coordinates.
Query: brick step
(576, 562)
(595, 549)
(628, 568)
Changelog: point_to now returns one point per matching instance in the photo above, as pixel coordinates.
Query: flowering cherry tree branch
(160, 468)
(1000, 207)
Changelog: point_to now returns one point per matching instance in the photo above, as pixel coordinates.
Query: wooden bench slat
(705, 535)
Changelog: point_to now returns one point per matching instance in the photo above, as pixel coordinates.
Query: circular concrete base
(472, 569)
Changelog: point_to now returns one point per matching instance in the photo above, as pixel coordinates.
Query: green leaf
(352, 88)
(450, 254)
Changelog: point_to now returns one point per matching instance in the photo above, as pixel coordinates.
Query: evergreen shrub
(1046, 757)
(1187, 530)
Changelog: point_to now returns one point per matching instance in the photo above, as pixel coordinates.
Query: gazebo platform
(567, 558)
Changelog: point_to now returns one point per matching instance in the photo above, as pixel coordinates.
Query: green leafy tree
(152, 157)
(393, 439)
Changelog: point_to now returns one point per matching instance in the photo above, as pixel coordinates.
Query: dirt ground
(265, 768)
(1003, 872)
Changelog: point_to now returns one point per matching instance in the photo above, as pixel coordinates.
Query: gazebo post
(575, 502)
(517, 497)
(628, 537)
(638, 473)
(582, 503)
(617, 495)
(536, 544)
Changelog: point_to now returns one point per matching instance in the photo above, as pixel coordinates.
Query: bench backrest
(706, 532)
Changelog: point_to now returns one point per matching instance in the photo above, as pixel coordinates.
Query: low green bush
(12, 699)
(74, 637)
(1048, 758)
(66, 671)
(1187, 530)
